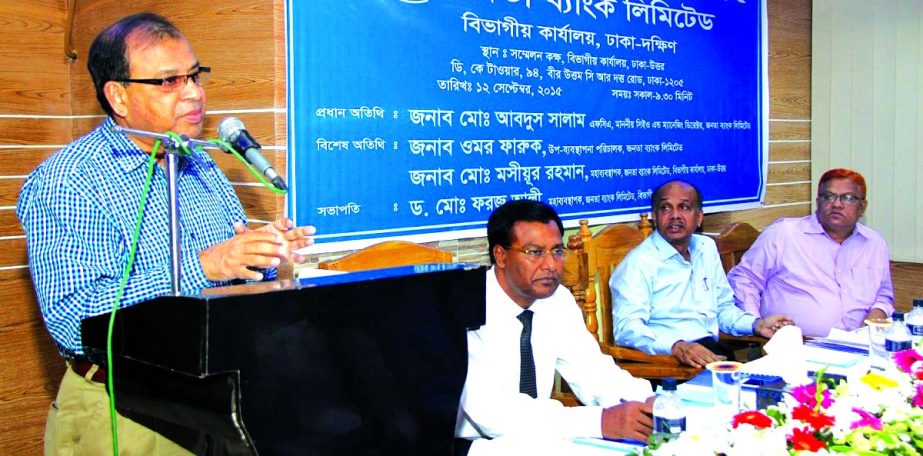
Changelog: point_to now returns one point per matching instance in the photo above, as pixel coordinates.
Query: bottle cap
(897, 316)
(668, 384)
(918, 302)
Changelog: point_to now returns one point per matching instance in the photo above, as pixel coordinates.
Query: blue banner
(419, 117)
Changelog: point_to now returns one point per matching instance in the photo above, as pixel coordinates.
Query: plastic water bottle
(914, 320)
(898, 336)
(669, 416)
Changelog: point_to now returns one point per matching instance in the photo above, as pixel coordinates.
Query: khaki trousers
(79, 424)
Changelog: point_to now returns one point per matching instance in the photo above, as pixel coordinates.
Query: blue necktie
(526, 361)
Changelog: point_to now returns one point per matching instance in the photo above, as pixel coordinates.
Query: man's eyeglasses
(175, 83)
(846, 198)
(533, 254)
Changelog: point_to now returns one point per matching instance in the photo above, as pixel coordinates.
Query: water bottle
(669, 416)
(898, 336)
(915, 321)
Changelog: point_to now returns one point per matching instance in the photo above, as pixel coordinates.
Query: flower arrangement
(880, 415)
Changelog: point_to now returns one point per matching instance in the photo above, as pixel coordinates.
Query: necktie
(526, 362)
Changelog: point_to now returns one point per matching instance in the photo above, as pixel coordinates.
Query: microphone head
(229, 129)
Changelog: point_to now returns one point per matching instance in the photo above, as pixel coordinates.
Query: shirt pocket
(864, 284)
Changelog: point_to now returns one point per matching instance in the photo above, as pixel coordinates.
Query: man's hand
(295, 237)
(629, 420)
(266, 247)
(693, 354)
(876, 314)
(768, 326)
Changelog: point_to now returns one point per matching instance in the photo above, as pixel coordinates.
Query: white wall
(867, 109)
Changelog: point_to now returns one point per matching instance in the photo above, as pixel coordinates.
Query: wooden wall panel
(789, 130)
(786, 194)
(14, 251)
(35, 67)
(34, 131)
(908, 284)
(789, 59)
(790, 151)
(234, 37)
(9, 224)
(18, 162)
(714, 223)
(9, 190)
(789, 172)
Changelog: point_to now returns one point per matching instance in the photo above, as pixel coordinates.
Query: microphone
(232, 130)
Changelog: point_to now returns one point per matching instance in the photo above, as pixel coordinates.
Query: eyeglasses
(176, 83)
(846, 198)
(557, 253)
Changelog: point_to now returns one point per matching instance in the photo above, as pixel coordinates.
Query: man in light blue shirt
(670, 295)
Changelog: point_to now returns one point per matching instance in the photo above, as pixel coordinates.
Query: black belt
(82, 367)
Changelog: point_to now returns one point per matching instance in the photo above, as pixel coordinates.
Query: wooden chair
(386, 255)
(732, 243)
(603, 252)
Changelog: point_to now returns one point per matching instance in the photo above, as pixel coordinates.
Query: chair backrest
(601, 252)
(733, 242)
(386, 255)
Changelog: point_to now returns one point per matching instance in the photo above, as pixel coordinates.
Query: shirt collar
(813, 226)
(126, 153)
(666, 251)
(505, 306)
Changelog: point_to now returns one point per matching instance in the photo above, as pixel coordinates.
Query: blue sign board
(418, 117)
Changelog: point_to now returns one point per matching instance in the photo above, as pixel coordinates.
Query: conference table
(697, 396)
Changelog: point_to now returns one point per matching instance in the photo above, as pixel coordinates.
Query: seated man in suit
(533, 328)
(670, 295)
(827, 270)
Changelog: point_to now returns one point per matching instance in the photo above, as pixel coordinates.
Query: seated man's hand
(693, 354)
(876, 314)
(630, 420)
(266, 247)
(768, 326)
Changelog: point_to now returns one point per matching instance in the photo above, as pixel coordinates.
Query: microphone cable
(134, 248)
(118, 295)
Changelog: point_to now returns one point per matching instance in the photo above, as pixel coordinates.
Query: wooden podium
(364, 363)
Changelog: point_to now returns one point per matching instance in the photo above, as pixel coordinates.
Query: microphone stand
(172, 146)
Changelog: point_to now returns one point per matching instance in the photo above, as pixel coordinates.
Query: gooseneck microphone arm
(172, 144)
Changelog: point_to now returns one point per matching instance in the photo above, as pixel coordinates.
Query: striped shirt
(79, 208)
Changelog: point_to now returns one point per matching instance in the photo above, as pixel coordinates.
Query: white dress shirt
(491, 404)
(659, 297)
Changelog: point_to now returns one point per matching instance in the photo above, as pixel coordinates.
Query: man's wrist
(680, 346)
(756, 323)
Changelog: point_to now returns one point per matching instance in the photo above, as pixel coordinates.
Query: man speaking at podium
(79, 211)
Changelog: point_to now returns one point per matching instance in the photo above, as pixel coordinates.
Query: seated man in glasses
(670, 295)
(80, 207)
(826, 270)
(533, 328)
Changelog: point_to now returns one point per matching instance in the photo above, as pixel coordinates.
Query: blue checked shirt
(78, 209)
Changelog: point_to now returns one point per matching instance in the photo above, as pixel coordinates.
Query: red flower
(755, 418)
(804, 440)
(906, 358)
(813, 417)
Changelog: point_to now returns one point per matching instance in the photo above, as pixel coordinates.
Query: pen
(705, 282)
